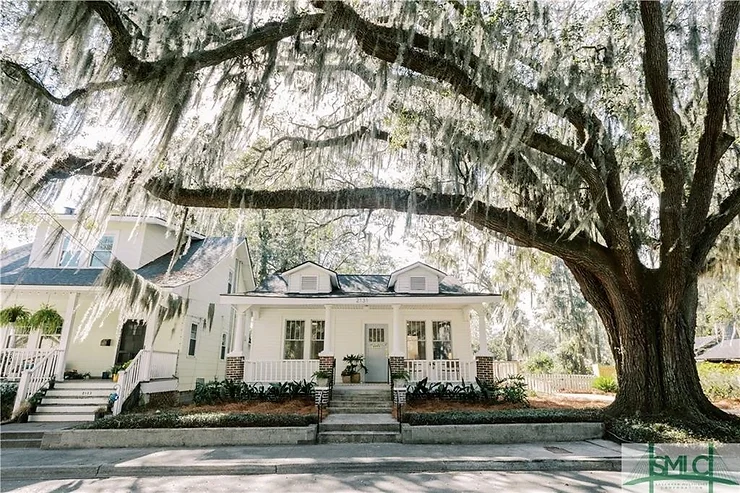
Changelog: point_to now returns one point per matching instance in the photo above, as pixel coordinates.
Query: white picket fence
(441, 370)
(35, 378)
(559, 383)
(503, 369)
(280, 370)
(13, 362)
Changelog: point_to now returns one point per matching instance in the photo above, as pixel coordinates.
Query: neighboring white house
(176, 353)
(305, 318)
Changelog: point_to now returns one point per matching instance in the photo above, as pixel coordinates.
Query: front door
(376, 352)
(132, 340)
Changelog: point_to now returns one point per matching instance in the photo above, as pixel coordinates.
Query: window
(416, 340)
(418, 283)
(442, 340)
(103, 252)
(375, 334)
(317, 338)
(309, 283)
(294, 337)
(223, 346)
(230, 283)
(193, 338)
(68, 258)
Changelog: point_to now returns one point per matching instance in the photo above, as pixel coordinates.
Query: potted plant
(15, 315)
(322, 378)
(119, 367)
(400, 378)
(46, 319)
(351, 372)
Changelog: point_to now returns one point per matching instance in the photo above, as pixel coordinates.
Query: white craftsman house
(308, 317)
(165, 355)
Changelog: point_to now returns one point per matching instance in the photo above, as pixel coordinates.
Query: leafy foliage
(198, 420)
(605, 384)
(504, 416)
(720, 380)
(8, 391)
(540, 363)
(512, 389)
(15, 314)
(671, 430)
(227, 391)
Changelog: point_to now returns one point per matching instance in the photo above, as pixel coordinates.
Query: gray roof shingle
(724, 351)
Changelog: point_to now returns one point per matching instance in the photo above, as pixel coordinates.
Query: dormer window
(103, 253)
(68, 257)
(309, 283)
(418, 283)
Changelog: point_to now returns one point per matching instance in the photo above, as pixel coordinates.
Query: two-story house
(163, 355)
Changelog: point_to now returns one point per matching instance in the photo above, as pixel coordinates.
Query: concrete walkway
(329, 458)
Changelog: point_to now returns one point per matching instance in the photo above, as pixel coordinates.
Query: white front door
(376, 352)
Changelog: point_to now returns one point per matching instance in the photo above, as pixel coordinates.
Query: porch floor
(362, 386)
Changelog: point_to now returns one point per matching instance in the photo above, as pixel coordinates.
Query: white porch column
(34, 339)
(482, 331)
(66, 337)
(241, 329)
(328, 332)
(152, 326)
(397, 348)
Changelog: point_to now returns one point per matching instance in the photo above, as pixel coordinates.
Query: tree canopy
(603, 136)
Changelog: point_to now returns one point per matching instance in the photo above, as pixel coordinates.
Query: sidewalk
(589, 455)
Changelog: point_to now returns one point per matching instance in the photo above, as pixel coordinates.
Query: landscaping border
(502, 433)
(178, 437)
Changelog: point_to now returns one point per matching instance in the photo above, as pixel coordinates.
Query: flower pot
(115, 377)
(345, 378)
(355, 378)
(399, 383)
(322, 382)
(105, 375)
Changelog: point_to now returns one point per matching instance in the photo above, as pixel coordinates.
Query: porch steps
(73, 401)
(21, 439)
(359, 428)
(360, 400)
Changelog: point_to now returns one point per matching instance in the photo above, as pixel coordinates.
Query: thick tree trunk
(653, 348)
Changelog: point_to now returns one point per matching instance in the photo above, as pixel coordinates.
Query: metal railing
(281, 370)
(13, 362)
(441, 370)
(128, 379)
(163, 365)
(34, 379)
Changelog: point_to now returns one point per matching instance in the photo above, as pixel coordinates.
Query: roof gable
(436, 272)
(332, 275)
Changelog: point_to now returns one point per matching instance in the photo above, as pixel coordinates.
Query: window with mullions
(294, 339)
(103, 253)
(193, 339)
(68, 256)
(317, 338)
(416, 339)
(442, 340)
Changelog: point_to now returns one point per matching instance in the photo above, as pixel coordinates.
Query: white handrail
(33, 379)
(14, 361)
(128, 379)
(280, 370)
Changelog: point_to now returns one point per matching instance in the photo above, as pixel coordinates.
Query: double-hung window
(193, 339)
(103, 253)
(442, 340)
(294, 339)
(416, 339)
(69, 257)
(317, 338)
(222, 353)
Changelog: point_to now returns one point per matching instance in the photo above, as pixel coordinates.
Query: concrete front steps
(359, 428)
(21, 439)
(73, 400)
(361, 399)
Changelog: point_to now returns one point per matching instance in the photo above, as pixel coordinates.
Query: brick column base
(235, 368)
(484, 368)
(398, 363)
(326, 363)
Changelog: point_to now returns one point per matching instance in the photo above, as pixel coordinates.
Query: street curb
(357, 465)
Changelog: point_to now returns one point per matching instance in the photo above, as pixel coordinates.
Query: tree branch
(729, 209)
(713, 143)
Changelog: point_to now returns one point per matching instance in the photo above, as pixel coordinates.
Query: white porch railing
(555, 383)
(163, 365)
(129, 378)
(13, 362)
(33, 379)
(280, 371)
(441, 370)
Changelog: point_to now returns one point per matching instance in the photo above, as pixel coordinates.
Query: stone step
(391, 427)
(75, 401)
(360, 410)
(85, 384)
(359, 437)
(20, 443)
(21, 435)
(39, 418)
(65, 408)
(86, 392)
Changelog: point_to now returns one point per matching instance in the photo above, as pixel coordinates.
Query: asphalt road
(524, 482)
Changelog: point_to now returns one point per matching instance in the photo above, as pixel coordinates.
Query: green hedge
(198, 420)
(504, 416)
(671, 430)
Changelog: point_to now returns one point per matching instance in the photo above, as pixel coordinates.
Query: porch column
(65, 338)
(235, 359)
(398, 351)
(328, 332)
(152, 326)
(482, 331)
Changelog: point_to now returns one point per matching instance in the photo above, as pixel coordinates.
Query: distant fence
(556, 383)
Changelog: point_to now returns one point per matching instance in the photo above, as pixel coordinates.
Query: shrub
(720, 380)
(512, 389)
(540, 363)
(198, 420)
(229, 391)
(504, 416)
(605, 384)
(8, 391)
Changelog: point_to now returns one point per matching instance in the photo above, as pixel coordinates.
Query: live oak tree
(604, 137)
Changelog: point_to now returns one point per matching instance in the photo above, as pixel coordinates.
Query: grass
(671, 430)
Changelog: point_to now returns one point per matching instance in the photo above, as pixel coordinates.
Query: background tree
(601, 138)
